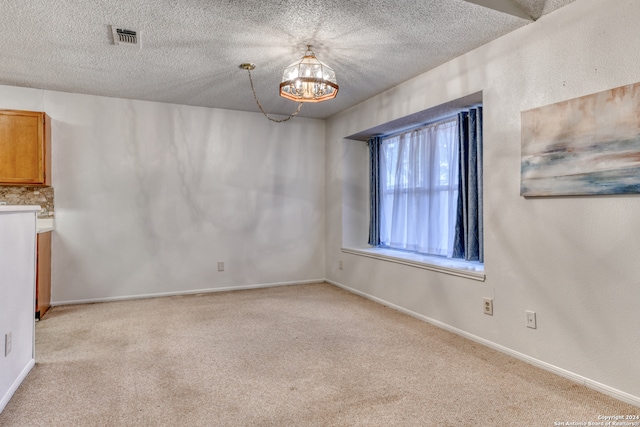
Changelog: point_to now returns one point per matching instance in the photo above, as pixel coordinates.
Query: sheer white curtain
(419, 189)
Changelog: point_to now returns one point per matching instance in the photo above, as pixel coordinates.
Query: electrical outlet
(488, 306)
(220, 266)
(340, 264)
(7, 344)
(531, 319)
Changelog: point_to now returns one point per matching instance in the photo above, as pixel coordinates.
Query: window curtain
(469, 229)
(419, 186)
(374, 188)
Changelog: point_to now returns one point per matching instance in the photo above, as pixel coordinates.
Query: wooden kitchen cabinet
(43, 274)
(25, 148)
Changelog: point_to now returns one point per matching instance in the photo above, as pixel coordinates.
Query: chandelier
(307, 80)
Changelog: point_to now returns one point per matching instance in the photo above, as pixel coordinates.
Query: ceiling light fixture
(307, 80)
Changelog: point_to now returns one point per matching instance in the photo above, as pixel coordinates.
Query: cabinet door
(25, 141)
(43, 274)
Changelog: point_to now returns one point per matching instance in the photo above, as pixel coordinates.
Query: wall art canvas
(583, 146)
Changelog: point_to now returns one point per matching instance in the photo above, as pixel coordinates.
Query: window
(427, 188)
(419, 189)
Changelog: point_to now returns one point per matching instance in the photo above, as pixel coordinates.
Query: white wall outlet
(531, 319)
(340, 264)
(220, 266)
(7, 344)
(488, 306)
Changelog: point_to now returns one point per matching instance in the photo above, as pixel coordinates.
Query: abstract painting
(583, 146)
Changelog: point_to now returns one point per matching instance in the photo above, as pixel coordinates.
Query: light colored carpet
(306, 355)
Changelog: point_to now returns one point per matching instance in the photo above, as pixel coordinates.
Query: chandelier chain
(262, 109)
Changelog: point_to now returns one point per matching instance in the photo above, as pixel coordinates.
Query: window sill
(455, 267)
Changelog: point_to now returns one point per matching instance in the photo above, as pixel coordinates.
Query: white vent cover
(126, 37)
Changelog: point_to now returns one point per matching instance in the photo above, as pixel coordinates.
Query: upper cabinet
(25, 148)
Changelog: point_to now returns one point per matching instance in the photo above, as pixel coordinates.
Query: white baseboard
(189, 292)
(16, 384)
(602, 388)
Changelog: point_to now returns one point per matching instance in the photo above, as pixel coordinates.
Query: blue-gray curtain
(374, 188)
(468, 243)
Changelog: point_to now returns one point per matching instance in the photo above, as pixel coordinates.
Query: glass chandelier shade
(308, 80)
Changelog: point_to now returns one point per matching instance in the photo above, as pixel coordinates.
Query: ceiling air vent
(122, 36)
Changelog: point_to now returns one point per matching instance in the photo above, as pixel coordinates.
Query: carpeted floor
(306, 355)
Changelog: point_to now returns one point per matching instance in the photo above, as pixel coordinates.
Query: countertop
(44, 225)
(19, 208)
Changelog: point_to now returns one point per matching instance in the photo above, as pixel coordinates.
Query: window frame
(354, 235)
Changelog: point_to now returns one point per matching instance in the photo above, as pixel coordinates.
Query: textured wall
(41, 196)
(572, 260)
(149, 196)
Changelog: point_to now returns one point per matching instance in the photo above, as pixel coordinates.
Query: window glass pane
(419, 189)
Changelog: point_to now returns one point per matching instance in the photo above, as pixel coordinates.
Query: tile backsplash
(42, 196)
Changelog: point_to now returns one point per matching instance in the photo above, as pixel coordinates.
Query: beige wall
(150, 197)
(575, 261)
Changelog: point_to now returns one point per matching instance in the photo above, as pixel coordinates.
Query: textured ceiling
(191, 49)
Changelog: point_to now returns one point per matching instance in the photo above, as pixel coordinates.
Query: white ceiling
(191, 49)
